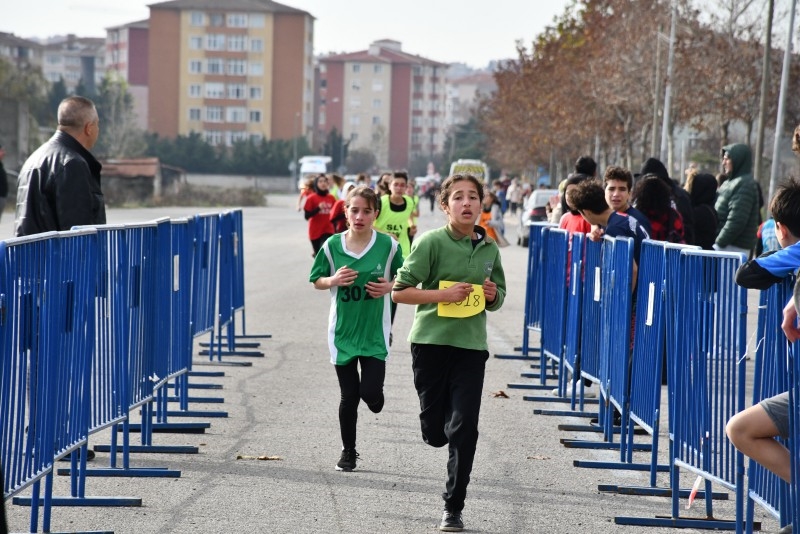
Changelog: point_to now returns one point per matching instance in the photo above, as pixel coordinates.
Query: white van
(311, 165)
(533, 210)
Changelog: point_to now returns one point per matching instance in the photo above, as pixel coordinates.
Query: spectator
(572, 220)
(702, 189)
(3, 182)
(753, 431)
(514, 195)
(491, 219)
(652, 197)
(618, 184)
(737, 203)
(586, 165)
(59, 184)
(681, 199)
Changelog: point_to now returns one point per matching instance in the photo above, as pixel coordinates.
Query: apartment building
(384, 100)
(464, 93)
(233, 70)
(126, 59)
(75, 60)
(20, 52)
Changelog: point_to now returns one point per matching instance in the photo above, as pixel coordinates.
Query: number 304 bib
(472, 305)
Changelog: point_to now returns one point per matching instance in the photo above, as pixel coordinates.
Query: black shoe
(89, 456)
(347, 461)
(376, 406)
(451, 522)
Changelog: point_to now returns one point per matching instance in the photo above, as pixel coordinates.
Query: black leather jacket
(58, 188)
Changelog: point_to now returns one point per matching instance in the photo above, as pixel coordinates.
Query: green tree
(119, 137)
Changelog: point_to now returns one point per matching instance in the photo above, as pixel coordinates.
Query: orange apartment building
(384, 100)
(230, 70)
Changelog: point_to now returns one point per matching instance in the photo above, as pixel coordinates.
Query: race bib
(472, 305)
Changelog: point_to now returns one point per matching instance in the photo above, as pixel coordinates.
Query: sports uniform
(393, 219)
(449, 354)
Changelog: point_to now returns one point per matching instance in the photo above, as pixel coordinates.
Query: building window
(256, 20)
(237, 43)
(321, 118)
(196, 42)
(356, 67)
(194, 114)
(236, 67)
(377, 69)
(323, 68)
(416, 104)
(376, 103)
(255, 115)
(214, 113)
(376, 120)
(215, 90)
(235, 114)
(216, 19)
(215, 41)
(256, 68)
(213, 137)
(195, 66)
(356, 85)
(197, 18)
(256, 45)
(237, 91)
(417, 70)
(214, 65)
(355, 120)
(377, 85)
(237, 20)
(355, 102)
(255, 92)
(416, 122)
(195, 90)
(256, 138)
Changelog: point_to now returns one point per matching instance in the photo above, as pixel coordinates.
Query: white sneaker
(587, 393)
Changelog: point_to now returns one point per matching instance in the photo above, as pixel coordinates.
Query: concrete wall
(268, 184)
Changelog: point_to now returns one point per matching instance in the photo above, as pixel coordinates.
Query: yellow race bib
(472, 305)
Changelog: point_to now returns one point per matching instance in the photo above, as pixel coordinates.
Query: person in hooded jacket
(683, 203)
(702, 189)
(317, 208)
(737, 202)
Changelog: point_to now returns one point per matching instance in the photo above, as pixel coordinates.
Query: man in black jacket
(59, 184)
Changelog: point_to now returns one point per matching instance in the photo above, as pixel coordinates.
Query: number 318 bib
(472, 305)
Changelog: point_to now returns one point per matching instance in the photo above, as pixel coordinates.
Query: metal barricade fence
(554, 293)
(573, 328)
(533, 292)
(45, 327)
(591, 316)
(794, 430)
(770, 378)
(711, 349)
(204, 274)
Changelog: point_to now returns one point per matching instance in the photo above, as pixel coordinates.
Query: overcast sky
(467, 31)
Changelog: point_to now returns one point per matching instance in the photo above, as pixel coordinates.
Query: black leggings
(369, 386)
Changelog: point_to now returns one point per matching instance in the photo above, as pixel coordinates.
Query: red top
(320, 223)
(574, 223)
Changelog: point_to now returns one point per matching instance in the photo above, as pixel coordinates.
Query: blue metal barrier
(770, 378)
(238, 278)
(794, 431)
(228, 293)
(554, 292)
(710, 373)
(533, 300)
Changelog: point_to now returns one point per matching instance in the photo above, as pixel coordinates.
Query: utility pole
(776, 151)
(762, 105)
(665, 126)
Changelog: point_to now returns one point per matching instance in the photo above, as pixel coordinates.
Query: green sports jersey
(396, 222)
(359, 325)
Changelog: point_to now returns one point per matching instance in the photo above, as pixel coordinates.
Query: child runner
(317, 209)
(358, 266)
(453, 275)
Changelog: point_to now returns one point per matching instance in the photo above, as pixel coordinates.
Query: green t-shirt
(437, 255)
(359, 325)
(396, 222)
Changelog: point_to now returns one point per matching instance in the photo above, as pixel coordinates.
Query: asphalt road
(285, 405)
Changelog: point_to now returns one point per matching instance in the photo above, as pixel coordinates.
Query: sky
(467, 31)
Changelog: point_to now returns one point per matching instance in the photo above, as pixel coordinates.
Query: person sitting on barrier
(460, 277)
(358, 266)
(752, 431)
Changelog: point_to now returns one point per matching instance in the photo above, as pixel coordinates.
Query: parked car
(533, 210)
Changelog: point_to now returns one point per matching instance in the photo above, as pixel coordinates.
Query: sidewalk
(285, 406)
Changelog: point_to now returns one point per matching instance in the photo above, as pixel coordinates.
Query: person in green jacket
(737, 202)
(453, 275)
